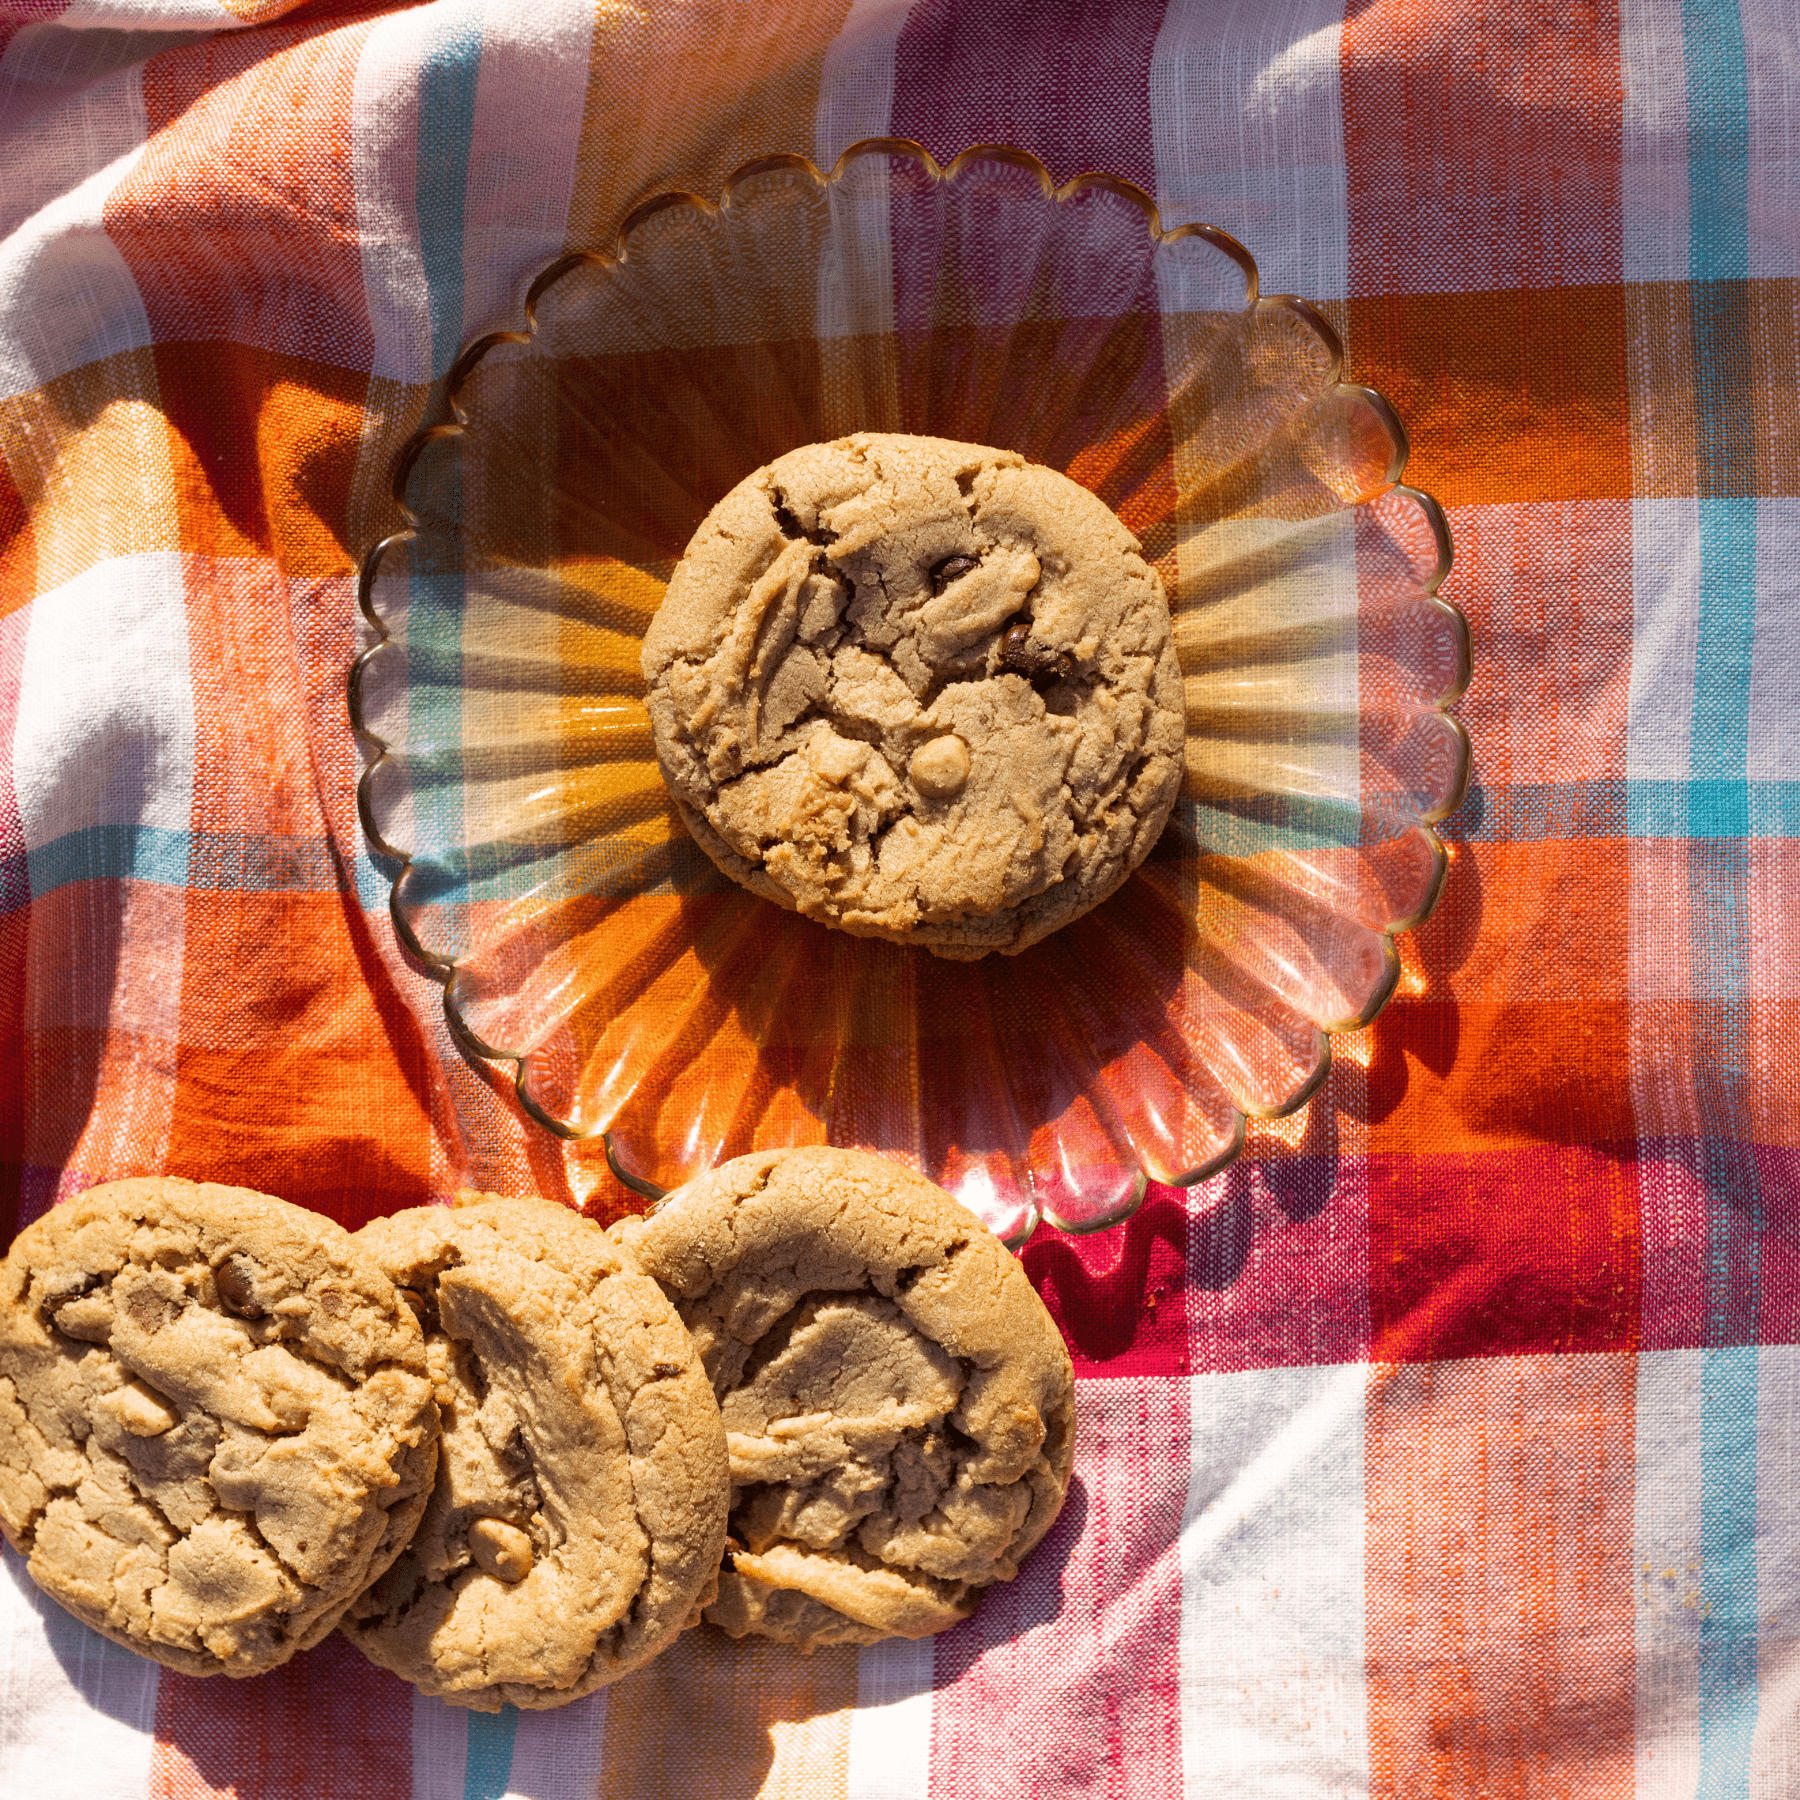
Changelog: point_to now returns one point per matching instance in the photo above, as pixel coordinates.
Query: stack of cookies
(509, 1454)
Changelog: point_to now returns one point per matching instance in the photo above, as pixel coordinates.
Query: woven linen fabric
(1449, 1442)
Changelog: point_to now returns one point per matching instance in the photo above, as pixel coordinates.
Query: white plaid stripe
(77, 1712)
(1272, 1681)
(1247, 115)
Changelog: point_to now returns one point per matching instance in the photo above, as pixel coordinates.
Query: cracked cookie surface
(918, 690)
(579, 1509)
(898, 1404)
(216, 1424)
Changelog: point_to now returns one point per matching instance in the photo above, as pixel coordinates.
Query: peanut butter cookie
(579, 1510)
(216, 1423)
(919, 690)
(899, 1405)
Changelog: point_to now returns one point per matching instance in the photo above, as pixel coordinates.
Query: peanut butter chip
(139, 1410)
(501, 1549)
(940, 768)
(87, 1317)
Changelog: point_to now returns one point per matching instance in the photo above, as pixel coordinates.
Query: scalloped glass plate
(543, 872)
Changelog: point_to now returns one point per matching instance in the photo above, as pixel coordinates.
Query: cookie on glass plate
(216, 1421)
(918, 690)
(579, 1511)
(898, 1403)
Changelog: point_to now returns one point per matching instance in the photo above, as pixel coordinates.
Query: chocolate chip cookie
(579, 1510)
(919, 690)
(216, 1422)
(899, 1405)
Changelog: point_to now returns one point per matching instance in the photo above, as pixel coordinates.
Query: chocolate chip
(665, 1371)
(331, 1302)
(952, 568)
(148, 1308)
(232, 1279)
(1037, 663)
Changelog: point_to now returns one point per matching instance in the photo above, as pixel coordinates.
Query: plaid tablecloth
(1447, 1444)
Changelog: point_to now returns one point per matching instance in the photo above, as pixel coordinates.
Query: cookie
(216, 1422)
(918, 690)
(579, 1510)
(899, 1405)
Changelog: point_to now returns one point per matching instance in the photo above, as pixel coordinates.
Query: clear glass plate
(542, 871)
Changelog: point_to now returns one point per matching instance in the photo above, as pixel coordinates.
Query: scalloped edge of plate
(446, 419)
